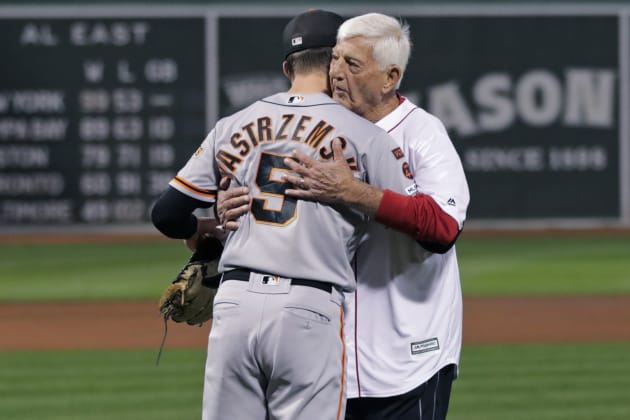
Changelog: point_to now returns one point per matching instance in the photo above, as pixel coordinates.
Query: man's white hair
(389, 38)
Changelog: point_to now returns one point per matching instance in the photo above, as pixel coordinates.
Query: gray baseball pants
(275, 352)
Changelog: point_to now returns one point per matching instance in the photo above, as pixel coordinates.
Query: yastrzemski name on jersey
(302, 129)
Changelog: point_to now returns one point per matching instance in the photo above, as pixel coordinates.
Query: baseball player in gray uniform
(404, 319)
(276, 348)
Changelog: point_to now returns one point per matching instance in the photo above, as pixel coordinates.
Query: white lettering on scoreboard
(87, 134)
(24, 184)
(32, 101)
(48, 129)
(19, 211)
(535, 159)
(24, 157)
(117, 33)
(538, 98)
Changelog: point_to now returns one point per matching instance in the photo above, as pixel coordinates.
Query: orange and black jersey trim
(195, 189)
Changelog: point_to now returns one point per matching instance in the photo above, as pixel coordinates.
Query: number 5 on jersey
(269, 181)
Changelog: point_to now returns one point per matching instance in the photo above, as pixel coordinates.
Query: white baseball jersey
(404, 322)
(282, 235)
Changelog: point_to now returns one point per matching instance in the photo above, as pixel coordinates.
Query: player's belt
(242, 274)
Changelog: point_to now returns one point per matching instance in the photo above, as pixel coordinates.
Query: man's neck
(387, 105)
(310, 83)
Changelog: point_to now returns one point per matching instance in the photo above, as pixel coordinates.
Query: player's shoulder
(305, 102)
(237, 116)
(322, 106)
(356, 124)
(234, 122)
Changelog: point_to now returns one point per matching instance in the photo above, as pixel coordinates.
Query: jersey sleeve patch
(398, 153)
(193, 188)
(407, 170)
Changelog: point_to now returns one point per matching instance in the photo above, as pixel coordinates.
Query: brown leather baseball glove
(190, 296)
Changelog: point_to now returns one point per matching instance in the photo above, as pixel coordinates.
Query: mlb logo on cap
(312, 29)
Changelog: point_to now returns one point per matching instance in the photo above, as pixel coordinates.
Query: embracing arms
(172, 214)
(333, 182)
(418, 216)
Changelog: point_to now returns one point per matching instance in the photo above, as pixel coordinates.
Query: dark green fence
(100, 105)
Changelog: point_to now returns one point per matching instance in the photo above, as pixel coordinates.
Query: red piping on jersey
(401, 98)
(400, 122)
(419, 216)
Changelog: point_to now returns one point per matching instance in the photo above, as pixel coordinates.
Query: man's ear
(285, 70)
(392, 77)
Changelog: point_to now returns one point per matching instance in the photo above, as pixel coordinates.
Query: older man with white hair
(404, 326)
(404, 321)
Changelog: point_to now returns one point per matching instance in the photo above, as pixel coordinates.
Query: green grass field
(511, 382)
(489, 266)
(498, 382)
(88, 271)
(549, 265)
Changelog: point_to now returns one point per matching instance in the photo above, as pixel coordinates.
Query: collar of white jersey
(392, 120)
(299, 99)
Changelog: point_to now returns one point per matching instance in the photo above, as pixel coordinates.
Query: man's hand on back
(331, 182)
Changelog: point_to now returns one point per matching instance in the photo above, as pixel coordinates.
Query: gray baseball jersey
(282, 235)
(276, 348)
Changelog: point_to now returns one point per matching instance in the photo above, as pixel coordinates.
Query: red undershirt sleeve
(420, 217)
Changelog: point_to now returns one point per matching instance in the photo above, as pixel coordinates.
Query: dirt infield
(120, 325)
(150, 235)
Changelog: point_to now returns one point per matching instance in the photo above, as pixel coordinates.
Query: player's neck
(310, 83)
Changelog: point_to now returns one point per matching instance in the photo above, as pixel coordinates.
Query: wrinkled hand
(232, 204)
(320, 181)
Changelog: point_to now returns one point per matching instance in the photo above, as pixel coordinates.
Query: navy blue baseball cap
(312, 29)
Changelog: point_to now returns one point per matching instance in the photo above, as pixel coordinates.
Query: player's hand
(206, 227)
(320, 181)
(232, 204)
